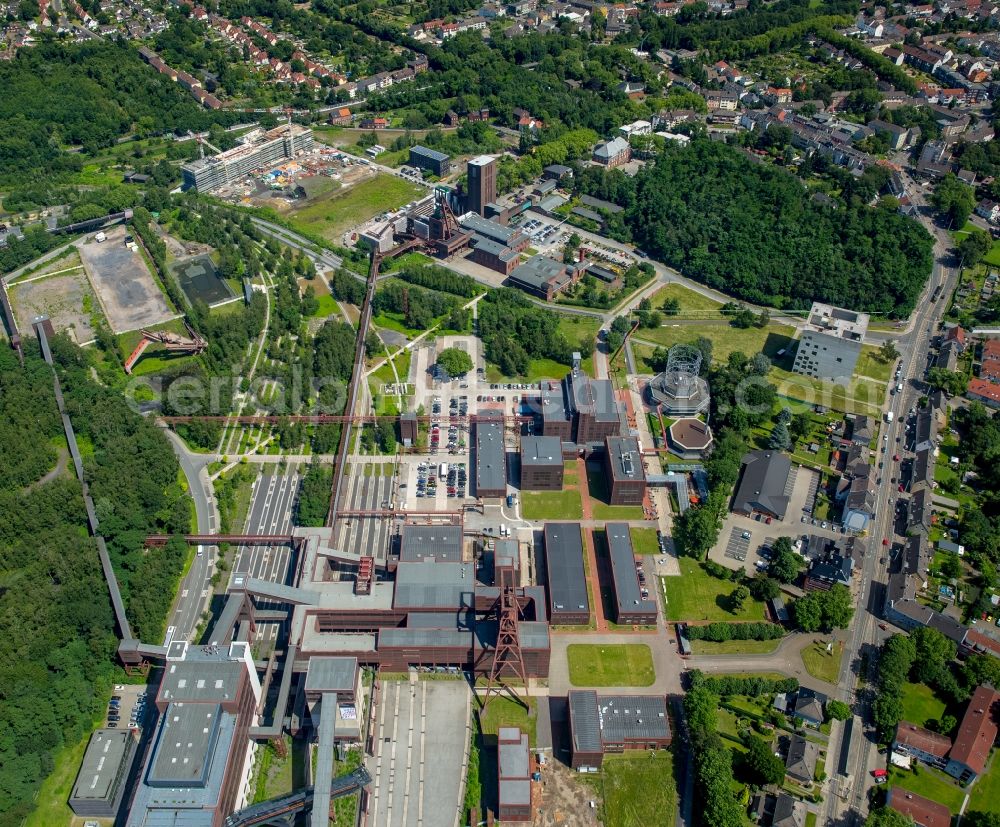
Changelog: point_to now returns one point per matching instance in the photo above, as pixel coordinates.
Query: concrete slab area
(421, 739)
(129, 295)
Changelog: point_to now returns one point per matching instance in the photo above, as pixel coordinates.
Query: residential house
(809, 706)
(928, 747)
(976, 736)
(800, 763)
(923, 811)
(925, 431)
(984, 391)
(920, 518)
(862, 430)
(788, 812)
(859, 504)
(990, 357)
(990, 210)
(613, 153)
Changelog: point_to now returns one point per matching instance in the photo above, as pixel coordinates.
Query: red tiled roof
(956, 333)
(978, 731)
(922, 810)
(911, 735)
(978, 642)
(985, 389)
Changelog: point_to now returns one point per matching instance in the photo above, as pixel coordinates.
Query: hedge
(719, 632)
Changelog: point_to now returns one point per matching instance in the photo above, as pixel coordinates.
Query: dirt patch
(129, 294)
(66, 299)
(564, 797)
(181, 249)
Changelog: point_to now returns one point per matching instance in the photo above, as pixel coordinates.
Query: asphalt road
(845, 802)
(196, 586)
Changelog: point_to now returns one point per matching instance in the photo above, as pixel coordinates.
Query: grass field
(860, 396)
(538, 369)
(734, 647)
(644, 541)
(930, 784)
(51, 809)
(504, 711)
(920, 704)
(870, 364)
(822, 665)
(639, 789)
(725, 338)
(985, 796)
(551, 505)
(695, 595)
(629, 664)
(333, 216)
(693, 304)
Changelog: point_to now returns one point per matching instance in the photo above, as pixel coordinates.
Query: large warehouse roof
(564, 565)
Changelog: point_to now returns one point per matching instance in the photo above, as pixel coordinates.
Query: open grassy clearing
(551, 505)
(51, 809)
(504, 711)
(333, 216)
(986, 792)
(639, 788)
(725, 338)
(644, 541)
(693, 304)
(860, 396)
(920, 704)
(823, 665)
(871, 364)
(629, 664)
(734, 647)
(696, 595)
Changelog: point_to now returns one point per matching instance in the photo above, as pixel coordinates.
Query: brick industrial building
(580, 409)
(623, 470)
(614, 723)
(630, 606)
(569, 603)
(541, 463)
(491, 465)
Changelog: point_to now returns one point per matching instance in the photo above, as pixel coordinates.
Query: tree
(739, 596)
(671, 307)
(808, 613)
(974, 247)
(837, 711)
(951, 382)
(888, 351)
(785, 563)
(456, 362)
(955, 199)
(780, 440)
(886, 817)
(760, 761)
(760, 365)
(763, 588)
(799, 427)
(977, 818)
(944, 725)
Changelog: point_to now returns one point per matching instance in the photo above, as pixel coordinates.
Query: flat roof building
(690, 438)
(541, 463)
(100, 784)
(830, 343)
(631, 607)
(433, 161)
(624, 471)
(614, 723)
(255, 151)
(569, 603)
(481, 175)
(197, 769)
(542, 276)
(440, 542)
(513, 775)
(596, 411)
(491, 465)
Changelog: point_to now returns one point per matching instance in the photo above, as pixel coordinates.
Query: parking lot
(129, 707)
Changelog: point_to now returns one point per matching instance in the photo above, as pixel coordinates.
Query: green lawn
(51, 809)
(639, 789)
(333, 216)
(504, 711)
(871, 364)
(538, 369)
(734, 647)
(694, 305)
(644, 541)
(986, 791)
(695, 595)
(860, 396)
(930, 784)
(326, 305)
(822, 665)
(628, 664)
(920, 704)
(725, 338)
(551, 505)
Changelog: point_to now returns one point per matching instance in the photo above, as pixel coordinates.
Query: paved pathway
(786, 659)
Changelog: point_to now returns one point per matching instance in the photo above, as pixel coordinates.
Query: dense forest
(753, 231)
(88, 94)
(57, 634)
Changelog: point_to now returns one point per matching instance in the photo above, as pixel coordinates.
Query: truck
(101, 236)
(443, 470)
(889, 416)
